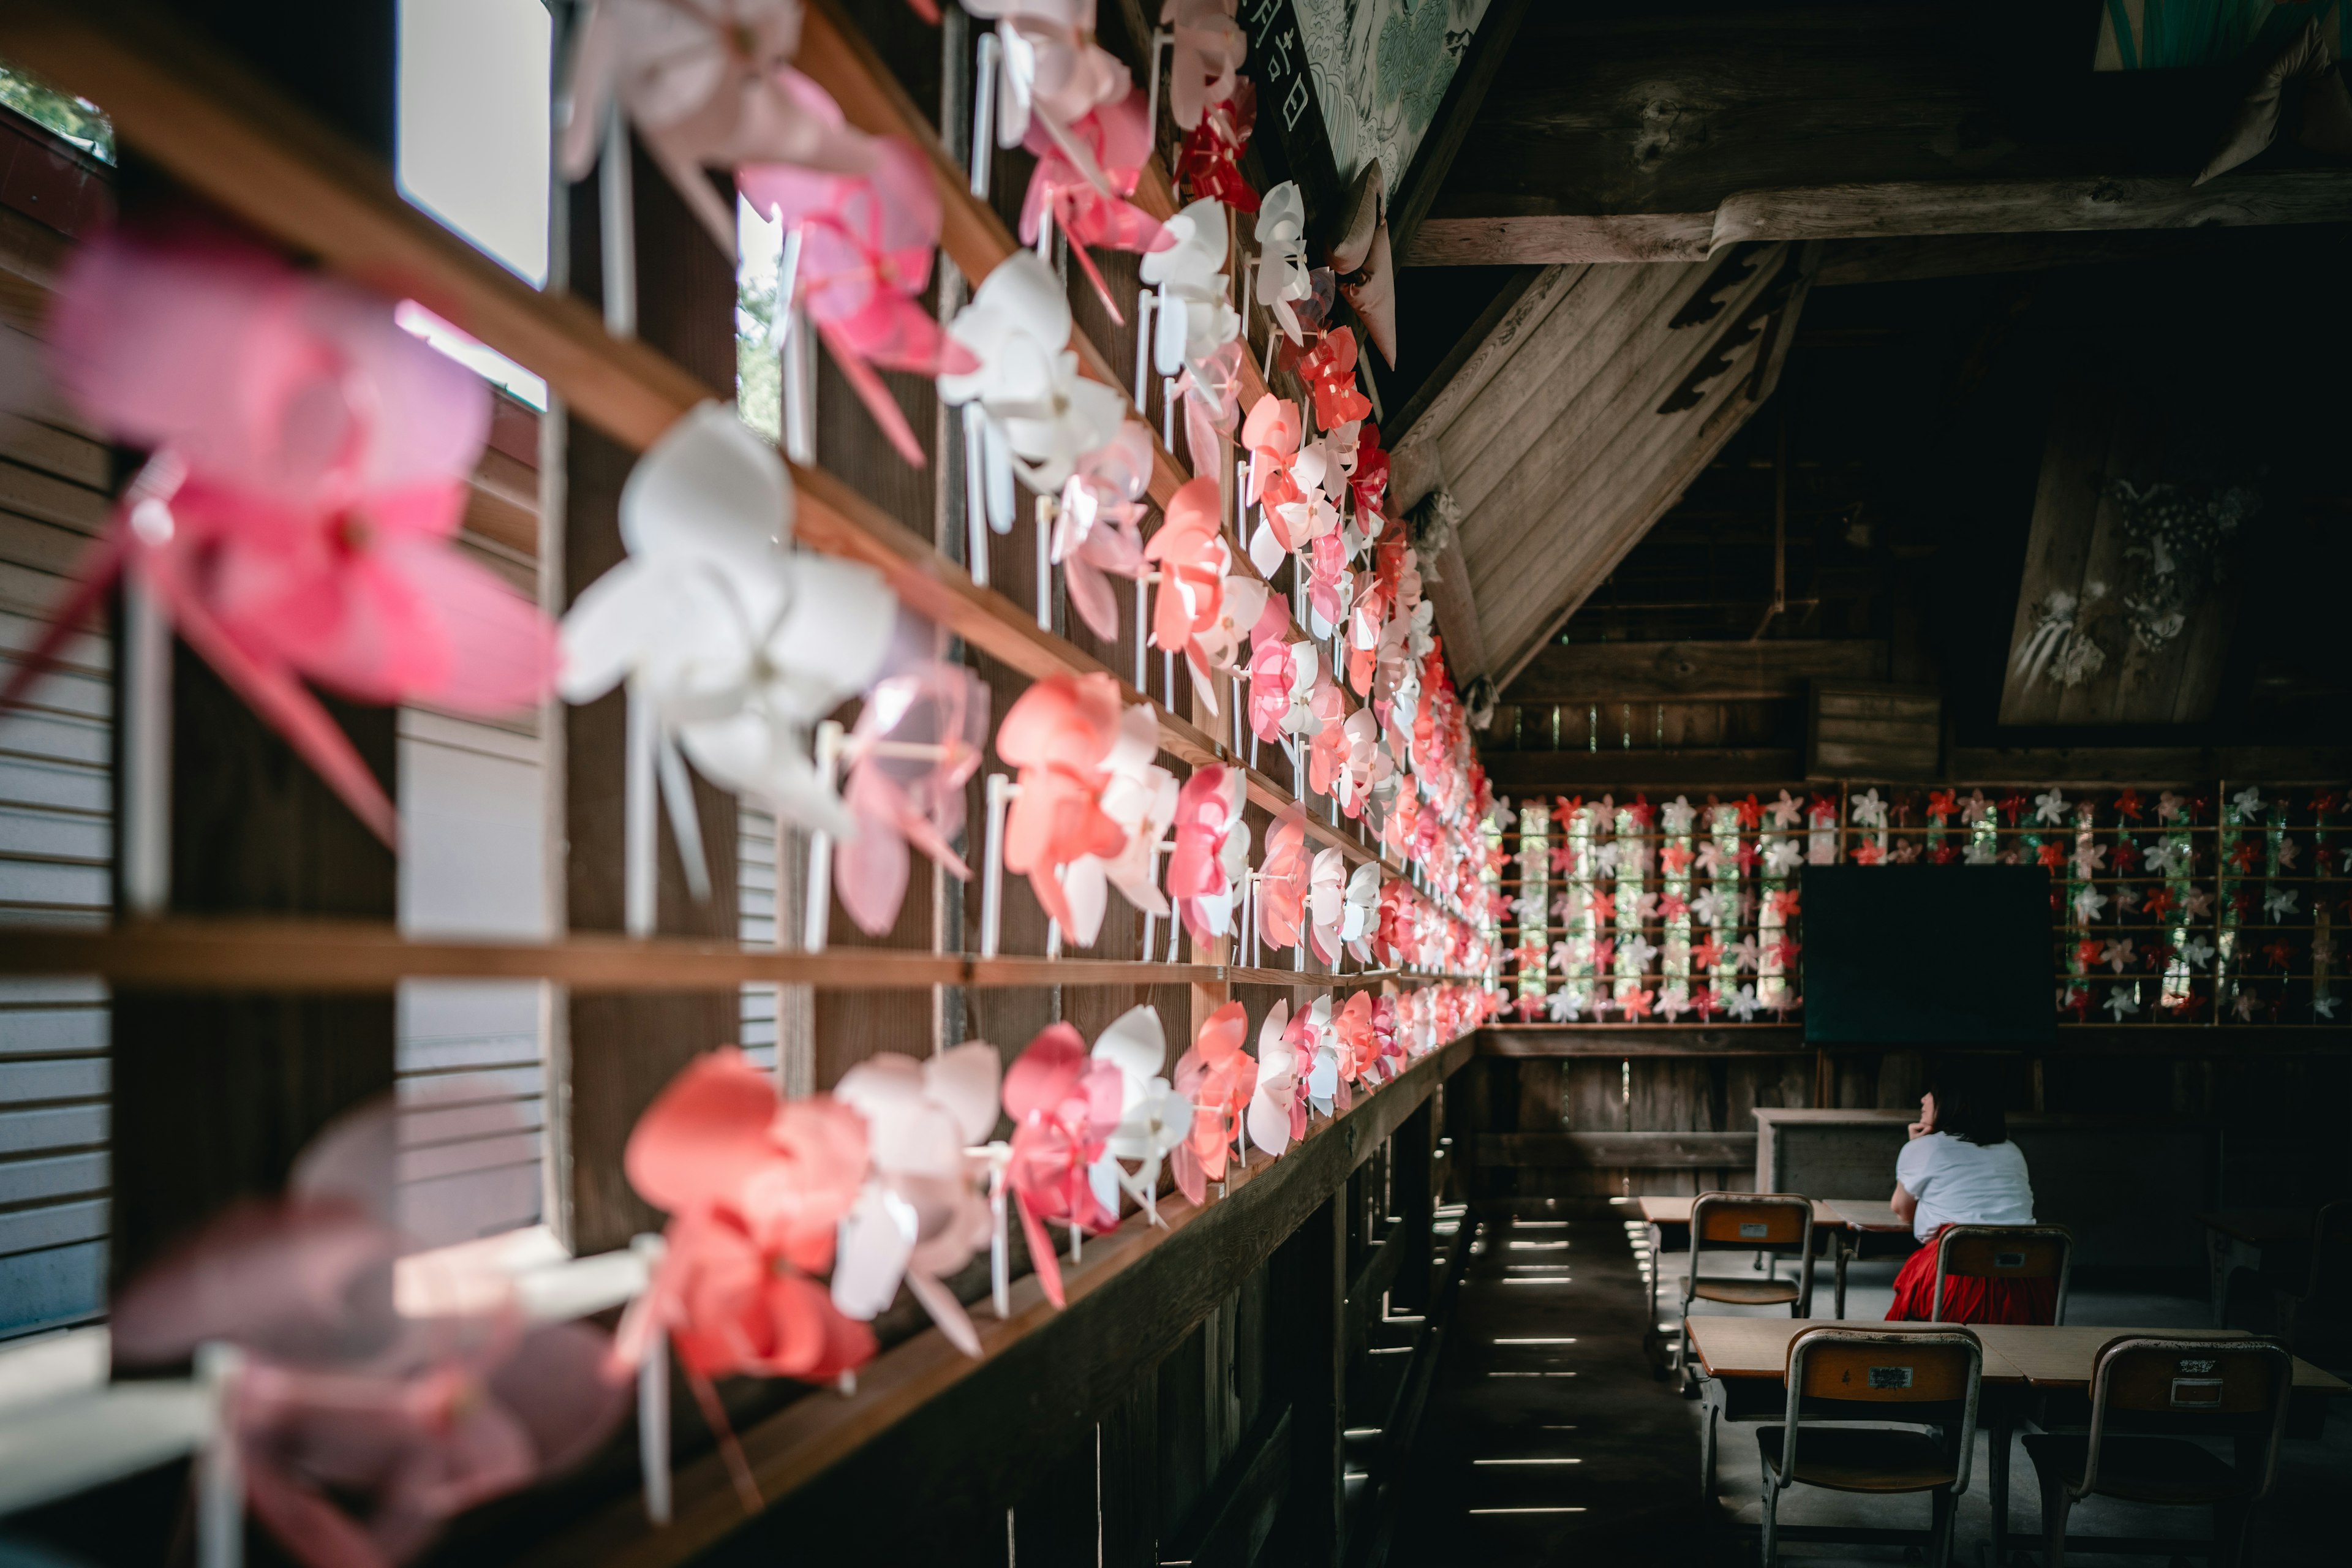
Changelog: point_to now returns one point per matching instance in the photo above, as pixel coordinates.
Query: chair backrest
(1891, 1367)
(2004, 1252)
(1753, 1222)
(2244, 1382)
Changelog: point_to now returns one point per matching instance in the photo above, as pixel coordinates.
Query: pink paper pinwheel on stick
(1212, 852)
(1063, 1107)
(1218, 1078)
(709, 84)
(1282, 880)
(1052, 73)
(1060, 733)
(1193, 560)
(296, 519)
(920, 739)
(363, 1419)
(1095, 532)
(1120, 144)
(865, 256)
(1209, 50)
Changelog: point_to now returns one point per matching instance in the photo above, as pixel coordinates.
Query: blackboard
(1927, 955)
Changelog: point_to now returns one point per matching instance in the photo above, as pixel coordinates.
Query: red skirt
(1968, 1297)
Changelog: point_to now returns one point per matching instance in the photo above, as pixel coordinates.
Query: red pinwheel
(1064, 1107)
(2053, 855)
(756, 1188)
(1328, 369)
(1209, 162)
(1218, 1076)
(294, 520)
(2129, 807)
(866, 243)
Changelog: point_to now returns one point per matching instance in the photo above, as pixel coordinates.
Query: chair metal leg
(1939, 1527)
(1771, 1520)
(1998, 1433)
(2053, 1521)
(1844, 1253)
(1707, 1455)
(2231, 1533)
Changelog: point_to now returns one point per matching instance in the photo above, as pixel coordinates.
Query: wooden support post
(621, 1050)
(1310, 1281)
(1411, 1148)
(214, 1095)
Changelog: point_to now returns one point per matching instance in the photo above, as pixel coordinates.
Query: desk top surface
(1866, 1214)
(2263, 1227)
(2044, 1357)
(1678, 1211)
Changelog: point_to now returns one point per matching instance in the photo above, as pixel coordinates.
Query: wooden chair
(2004, 1252)
(1926, 1378)
(1770, 1222)
(2317, 1321)
(2149, 1395)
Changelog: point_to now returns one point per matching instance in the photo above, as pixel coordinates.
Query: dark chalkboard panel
(1927, 955)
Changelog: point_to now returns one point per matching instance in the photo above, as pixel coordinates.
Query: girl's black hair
(1967, 1105)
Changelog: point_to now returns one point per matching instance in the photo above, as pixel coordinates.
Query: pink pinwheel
(1275, 673)
(1278, 1107)
(1192, 559)
(1326, 760)
(1316, 1051)
(867, 242)
(709, 84)
(1327, 581)
(1218, 1077)
(294, 520)
(1209, 50)
(921, 1216)
(1052, 73)
(919, 739)
(756, 1189)
(1120, 144)
(1358, 1042)
(1212, 850)
(1272, 433)
(1282, 879)
(362, 1419)
(1139, 797)
(1063, 1107)
(1096, 532)
(1059, 733)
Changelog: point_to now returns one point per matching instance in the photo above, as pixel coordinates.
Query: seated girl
(1960, 1168)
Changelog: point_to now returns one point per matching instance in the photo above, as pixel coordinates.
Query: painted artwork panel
(1380, 69)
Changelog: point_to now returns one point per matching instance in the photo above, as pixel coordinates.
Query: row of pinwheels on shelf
(309, 460)
(357, 1385)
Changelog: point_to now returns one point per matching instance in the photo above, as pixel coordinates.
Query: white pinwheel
(1868, 810)
(1152, 1116)
(1564, 1005)
(2248, 802)
(1038, 415)
(1282, 271)
(2050, 809)
(1323, 1050)
(921, 1215)
(2122, 1001)
(1327, 902)
(709, 84)
(1196, 316)
(1782, 856)
(1269, 1117)
(2279, 902)
(739, 644)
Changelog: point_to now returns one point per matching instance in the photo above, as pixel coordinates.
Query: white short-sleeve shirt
(1960, 1182)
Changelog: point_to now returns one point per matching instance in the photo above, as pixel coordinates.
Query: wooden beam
(1575, 773)
(1912, 257)
(1691, 671)
(1418, 187)
(1233, 1525)
(2090, 765)
(1617, 1151)
(330, 955)
(1415, 466)
(970, 1427)
(1871, 212)
(1529, 1042)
